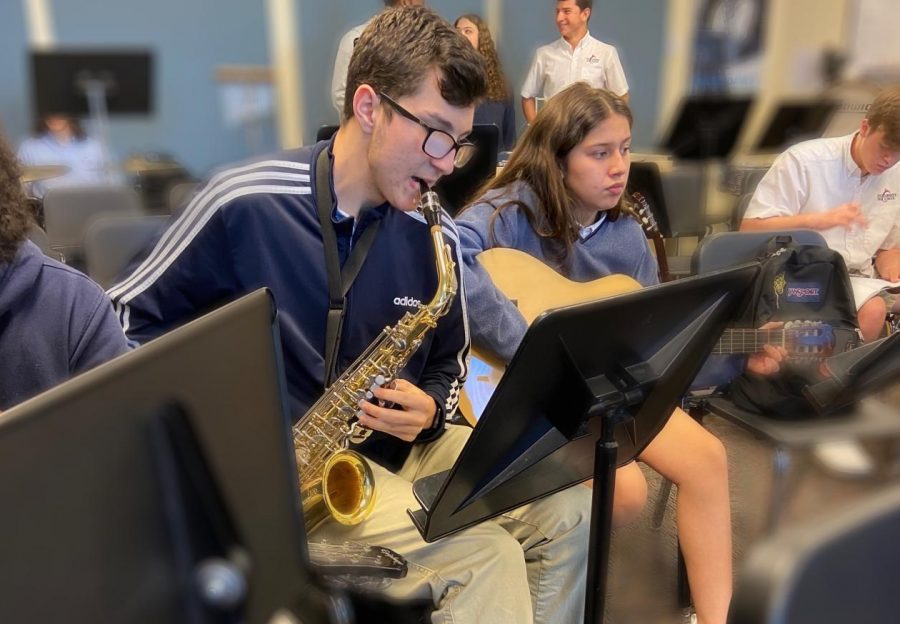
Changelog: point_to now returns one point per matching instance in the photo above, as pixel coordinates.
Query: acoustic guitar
(536, 288)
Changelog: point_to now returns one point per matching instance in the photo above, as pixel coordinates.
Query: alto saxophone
(333, 479)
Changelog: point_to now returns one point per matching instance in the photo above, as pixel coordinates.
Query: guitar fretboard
(748, 340)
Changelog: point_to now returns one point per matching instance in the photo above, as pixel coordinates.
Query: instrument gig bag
(796, 282)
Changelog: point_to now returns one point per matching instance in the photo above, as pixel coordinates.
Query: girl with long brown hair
(497, 107)
(561, 199)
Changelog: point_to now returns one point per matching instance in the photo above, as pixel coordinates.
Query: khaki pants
(526, 566)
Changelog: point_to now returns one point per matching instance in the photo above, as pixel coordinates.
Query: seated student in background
(497, 107)
(61, 141)
(54, 321)
(849, 189)
(412, 86)
(575, 56)
(345, 51)
(560, 199)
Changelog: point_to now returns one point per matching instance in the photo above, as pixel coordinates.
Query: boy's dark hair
(402, 45)
(15, 219)
(583, 4)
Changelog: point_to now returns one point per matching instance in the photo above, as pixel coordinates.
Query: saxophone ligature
(334, 479)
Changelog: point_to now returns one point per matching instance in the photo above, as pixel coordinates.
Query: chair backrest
(111, 243)
(458, 187)
(684, 188)
(326, 132)
(179, 196)
(69, 211)
(740, 207)
(39, 238)
(645, 187)
(838, 567)
(728, 249)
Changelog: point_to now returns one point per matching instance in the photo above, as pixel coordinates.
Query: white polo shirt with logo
(556, 66)
(816, 176)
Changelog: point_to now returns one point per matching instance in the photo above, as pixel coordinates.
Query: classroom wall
(14, 115)
(190, 39)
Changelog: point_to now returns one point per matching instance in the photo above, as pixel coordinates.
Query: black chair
(39, 237)
(69, 211)
(111, 244)
(835, 569)
(180, 195)
(326, 132)
(740, 207)
(870, 419)
(645, 189)
(458, 188)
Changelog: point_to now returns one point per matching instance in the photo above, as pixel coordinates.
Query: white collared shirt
(556, 66)
(587, 231)
(816, 176)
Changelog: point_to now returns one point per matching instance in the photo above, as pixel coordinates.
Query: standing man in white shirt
(345, 51)
(848, 188)
(575, 56)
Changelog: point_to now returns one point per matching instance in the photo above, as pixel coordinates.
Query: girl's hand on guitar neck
(769, 361)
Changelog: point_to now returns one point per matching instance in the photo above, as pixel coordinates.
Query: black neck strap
(339, 279)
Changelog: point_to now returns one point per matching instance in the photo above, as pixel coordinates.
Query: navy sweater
(618, 246)
(54, 323)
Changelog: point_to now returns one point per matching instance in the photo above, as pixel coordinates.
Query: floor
(643, 562)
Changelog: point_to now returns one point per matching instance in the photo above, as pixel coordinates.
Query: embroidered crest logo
(778, 286)
(886, 195)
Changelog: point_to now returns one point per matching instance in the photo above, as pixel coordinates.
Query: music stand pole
(601, 520)
(95, 90)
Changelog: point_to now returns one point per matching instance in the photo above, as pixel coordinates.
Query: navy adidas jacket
(257, 225)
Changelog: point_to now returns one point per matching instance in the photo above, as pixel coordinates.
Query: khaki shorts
(890, 298)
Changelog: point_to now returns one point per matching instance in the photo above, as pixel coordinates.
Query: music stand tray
(585, 392)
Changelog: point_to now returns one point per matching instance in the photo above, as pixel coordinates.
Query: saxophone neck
(430, 206)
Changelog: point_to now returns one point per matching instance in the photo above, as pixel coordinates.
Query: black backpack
(796, 283)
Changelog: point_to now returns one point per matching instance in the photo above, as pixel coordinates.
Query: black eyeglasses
(437, 143)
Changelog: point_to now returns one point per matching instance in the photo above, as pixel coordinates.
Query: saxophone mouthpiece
(429, 205)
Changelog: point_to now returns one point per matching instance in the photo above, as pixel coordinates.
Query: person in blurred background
(54, 321)
(61, 141)
(575, 56)
(345, 51)
(497, 108)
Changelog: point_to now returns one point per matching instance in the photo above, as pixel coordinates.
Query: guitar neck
(735, 341)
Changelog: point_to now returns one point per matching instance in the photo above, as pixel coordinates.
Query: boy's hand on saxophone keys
(413, 410)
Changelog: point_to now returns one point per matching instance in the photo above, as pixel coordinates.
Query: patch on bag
(804, 292)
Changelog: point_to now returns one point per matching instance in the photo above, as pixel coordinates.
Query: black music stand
(161, 486)
(582, 395)
(855, 373)
(707, 126)
(793, 122)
